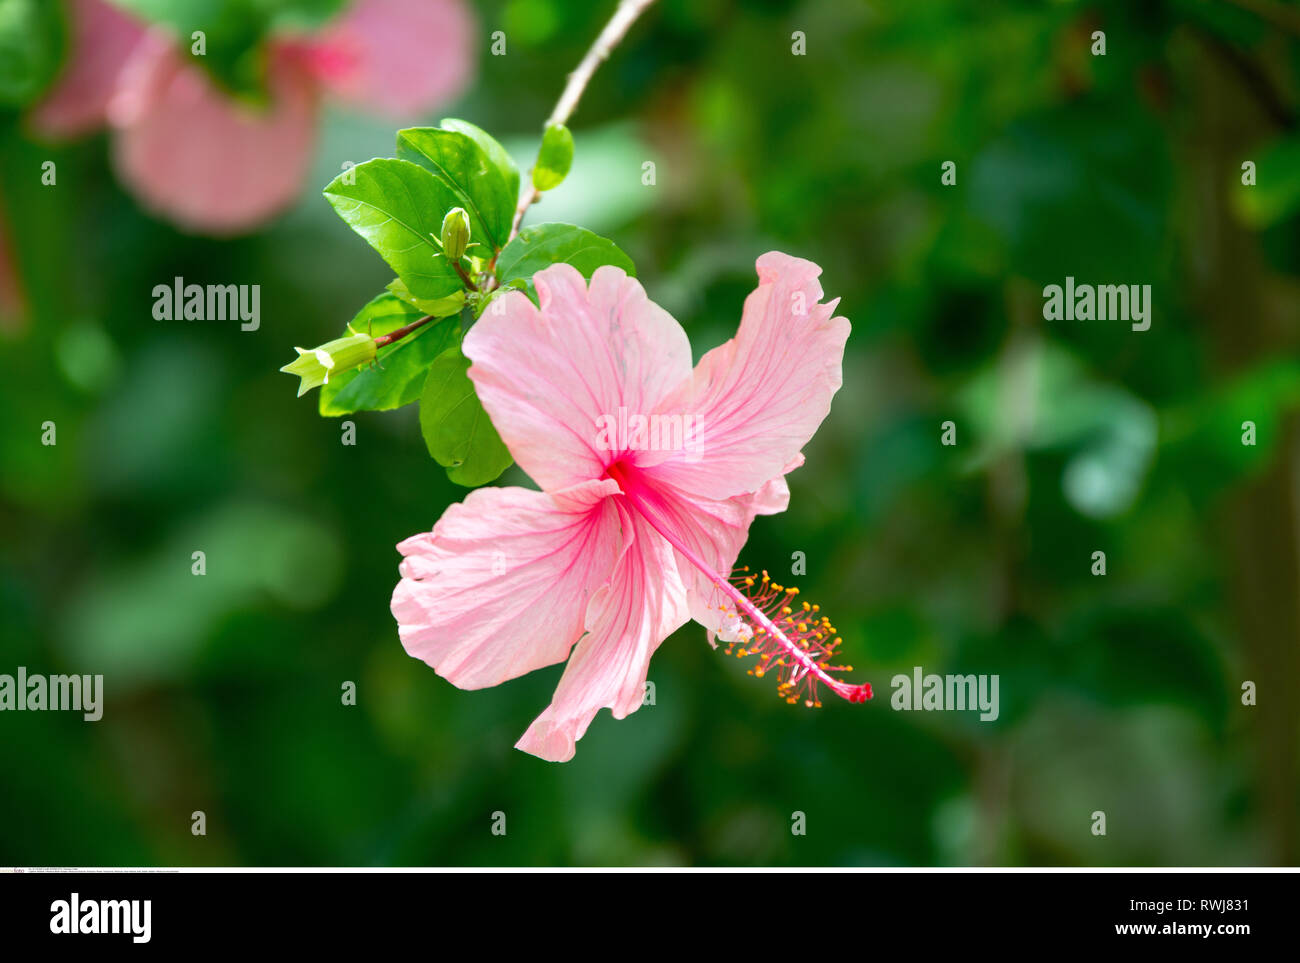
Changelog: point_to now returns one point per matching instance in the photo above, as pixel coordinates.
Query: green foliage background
(1119, 693)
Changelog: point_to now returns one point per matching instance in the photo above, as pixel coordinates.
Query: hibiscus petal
(402, 57)
(714, 530)
(102, 41)
(501, 585)
(196, 156)
(626, 621)
(549, 377)
(759, 398)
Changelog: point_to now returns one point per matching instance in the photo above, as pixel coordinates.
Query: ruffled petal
(760, 397)
(641, 606)
(102, 41)
(502, 584)
(552, 378)
(201, 159)
(401, 57)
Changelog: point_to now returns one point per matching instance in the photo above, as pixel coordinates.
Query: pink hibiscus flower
(626, 540)
(195, 155)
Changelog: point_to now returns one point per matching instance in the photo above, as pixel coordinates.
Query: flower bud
(554, 159)
(315, 365)
(455, 233)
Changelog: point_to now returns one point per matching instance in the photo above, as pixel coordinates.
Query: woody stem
(469, 282)
(402, 332)
(615, 30)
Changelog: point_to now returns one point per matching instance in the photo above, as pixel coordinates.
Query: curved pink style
(651, 474)
(200, 157)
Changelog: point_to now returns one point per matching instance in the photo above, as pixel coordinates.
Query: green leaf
(32, 40)
(397, 207)
(456, 429)
(397, 377)
(496, 154)
(554, 159)
(477, 184)
(542, 245)
(438, 307)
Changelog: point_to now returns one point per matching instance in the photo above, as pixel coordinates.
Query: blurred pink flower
(210, 163)
(626, 541)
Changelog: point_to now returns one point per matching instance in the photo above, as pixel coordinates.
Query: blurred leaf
(542, 245)
(1038, 397)
(1275, 196)
(1103, 477)
(234, 34)
(254, 554)
(32, 38)
(1122, 655)
(304, 14)
(1096, 167)
(396, 377)
(456, 429)
(1204, 438)
(398, 208)
(477, 183)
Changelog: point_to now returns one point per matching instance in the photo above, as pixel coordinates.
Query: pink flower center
(790, 637)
